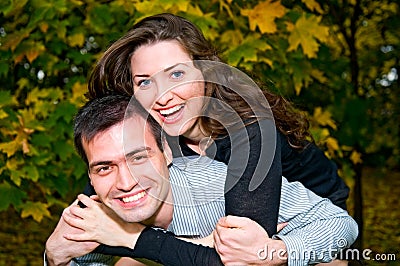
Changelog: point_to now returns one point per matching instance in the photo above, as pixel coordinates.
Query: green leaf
(10, 195)
(7, 99)
(100, 18)
(31, 172)
(64, 149)
(247, 50)
(37, 210)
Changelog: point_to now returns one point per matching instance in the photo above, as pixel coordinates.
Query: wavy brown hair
(112, 75)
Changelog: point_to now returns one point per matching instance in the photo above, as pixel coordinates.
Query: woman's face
(168, 85)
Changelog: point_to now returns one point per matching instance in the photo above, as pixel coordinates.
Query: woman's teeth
(167, 112)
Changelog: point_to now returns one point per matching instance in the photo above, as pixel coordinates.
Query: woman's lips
(171, 115)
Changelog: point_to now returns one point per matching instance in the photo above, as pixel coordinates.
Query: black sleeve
(164, 248)
(314, 170)
(254, 178)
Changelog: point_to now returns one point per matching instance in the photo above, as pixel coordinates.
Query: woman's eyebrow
(173, 66)
(165, 70)
(141, 76)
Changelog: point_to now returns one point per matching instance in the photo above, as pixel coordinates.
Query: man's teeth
(134, 197)
(172, 110)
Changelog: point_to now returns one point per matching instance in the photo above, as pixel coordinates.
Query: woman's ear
(167, 152)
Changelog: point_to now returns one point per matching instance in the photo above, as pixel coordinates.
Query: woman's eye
(144, 83)
(177, 74)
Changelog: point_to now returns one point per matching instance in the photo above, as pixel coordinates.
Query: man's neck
(163, 217)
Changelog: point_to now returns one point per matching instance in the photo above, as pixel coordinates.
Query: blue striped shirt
(316, 230)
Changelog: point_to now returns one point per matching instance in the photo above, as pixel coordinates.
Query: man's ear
(167, 152)
(90, 178)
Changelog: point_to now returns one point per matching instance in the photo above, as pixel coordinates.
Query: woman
(163, 49)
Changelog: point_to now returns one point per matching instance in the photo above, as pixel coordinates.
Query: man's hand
(241, 241)
(99, 223)
(59, 250)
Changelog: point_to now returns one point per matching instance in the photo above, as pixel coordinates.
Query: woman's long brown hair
(112, 75)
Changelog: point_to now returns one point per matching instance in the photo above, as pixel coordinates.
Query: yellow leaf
(232, 37)
(263, 15)
(299, 78)
(332, 144)
(44, 27)
(312, 5)
(3, 114)
(35, 209)
(323, 118)
(14, 39)
(32, 55)
(355, 157)
(9, 147)
(34, 50)
(78, 93)
(306, 33)
(318, 75)
(267, 61)
(76, 39)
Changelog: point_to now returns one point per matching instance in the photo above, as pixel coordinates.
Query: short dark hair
(100, 114)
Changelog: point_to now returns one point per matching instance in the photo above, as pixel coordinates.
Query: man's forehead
(137, 127)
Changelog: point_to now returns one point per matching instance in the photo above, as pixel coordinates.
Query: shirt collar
(184, 205)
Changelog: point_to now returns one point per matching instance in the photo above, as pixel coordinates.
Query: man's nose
(126, 180)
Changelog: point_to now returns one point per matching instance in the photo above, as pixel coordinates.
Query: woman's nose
(164, 96)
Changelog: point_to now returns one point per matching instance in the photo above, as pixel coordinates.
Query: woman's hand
(99, 223)
(242, 241)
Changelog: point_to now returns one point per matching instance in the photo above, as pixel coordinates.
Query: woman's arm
(132, 239)
(314, 170)
(253, 183)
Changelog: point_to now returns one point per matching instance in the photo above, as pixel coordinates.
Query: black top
(256, 198)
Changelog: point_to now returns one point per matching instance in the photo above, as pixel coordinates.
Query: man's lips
(135, 197)
(132, 199)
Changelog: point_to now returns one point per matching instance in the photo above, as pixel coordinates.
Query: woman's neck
(197, 140)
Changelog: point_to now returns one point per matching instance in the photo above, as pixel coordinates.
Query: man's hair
(100, 114)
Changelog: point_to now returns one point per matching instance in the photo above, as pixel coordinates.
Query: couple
(155, 62)
(136, 180)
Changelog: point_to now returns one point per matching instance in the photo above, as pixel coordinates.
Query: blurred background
(336, 60)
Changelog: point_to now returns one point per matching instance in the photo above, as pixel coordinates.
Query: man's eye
(177, 74)
(138, 158)
(103, 170)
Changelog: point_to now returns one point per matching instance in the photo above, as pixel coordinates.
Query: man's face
(128, 170)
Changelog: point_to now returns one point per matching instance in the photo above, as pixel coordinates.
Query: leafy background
(337, 60)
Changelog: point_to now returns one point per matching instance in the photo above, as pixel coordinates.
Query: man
(128, 167)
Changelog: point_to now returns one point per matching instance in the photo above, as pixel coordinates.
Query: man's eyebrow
(137, 150)
(93, 164)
